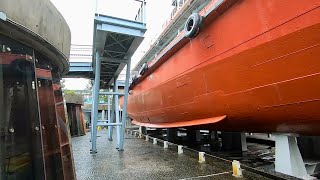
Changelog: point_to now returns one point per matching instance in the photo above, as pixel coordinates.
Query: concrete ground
(143, 160)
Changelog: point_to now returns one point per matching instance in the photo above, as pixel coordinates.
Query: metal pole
(95, 103)
(144, 15)
(92, 110)
(102, 115)
(109, 108)
(117, 114)
(111, 93)
(96, 6)
(110, 129)
(125, 101)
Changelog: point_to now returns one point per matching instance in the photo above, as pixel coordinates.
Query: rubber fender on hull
(143, 68)
(192, 26)
(133, 82)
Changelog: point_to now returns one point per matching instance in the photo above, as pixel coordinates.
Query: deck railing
(178, 4)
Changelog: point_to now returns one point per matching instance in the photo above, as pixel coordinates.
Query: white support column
(288, 158)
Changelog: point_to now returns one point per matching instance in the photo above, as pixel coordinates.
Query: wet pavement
(143, 160)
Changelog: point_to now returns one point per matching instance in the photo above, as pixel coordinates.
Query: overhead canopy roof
(117, 39)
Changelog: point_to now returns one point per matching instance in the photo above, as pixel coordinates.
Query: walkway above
(80, 70)
(116, 39)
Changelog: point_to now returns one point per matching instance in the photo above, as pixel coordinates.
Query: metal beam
(112, 60)
(121, 30)
(81, 64)
(108, 124)
(116, 74)
(118, 52)
(124, 23)
(111, 93)
(117, 55)
(108, 54)
(113, 64)
(116, 41)
(107, 67)
(106, 73)
(80, 69)
(125, 39)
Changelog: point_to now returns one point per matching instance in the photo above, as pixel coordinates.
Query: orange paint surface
(257, 63)
(182, 124)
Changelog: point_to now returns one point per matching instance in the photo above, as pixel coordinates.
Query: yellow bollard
(236, 169)
(99, 128)
(201, 157)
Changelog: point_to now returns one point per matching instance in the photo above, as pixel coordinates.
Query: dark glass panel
(20, 136)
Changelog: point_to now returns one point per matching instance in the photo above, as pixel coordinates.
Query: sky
(79, 15)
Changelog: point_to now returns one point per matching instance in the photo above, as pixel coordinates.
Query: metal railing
(141, 15)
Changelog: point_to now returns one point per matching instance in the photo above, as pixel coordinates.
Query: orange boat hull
(255, 68)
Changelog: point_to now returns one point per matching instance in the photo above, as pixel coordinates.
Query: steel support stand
(125, 103)
(95, 103)
(110, 129)
(244, 142)
(172, 134)
(109, 100)
(198, 135)
(102, 115)
(288, 158)
(116, 101)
